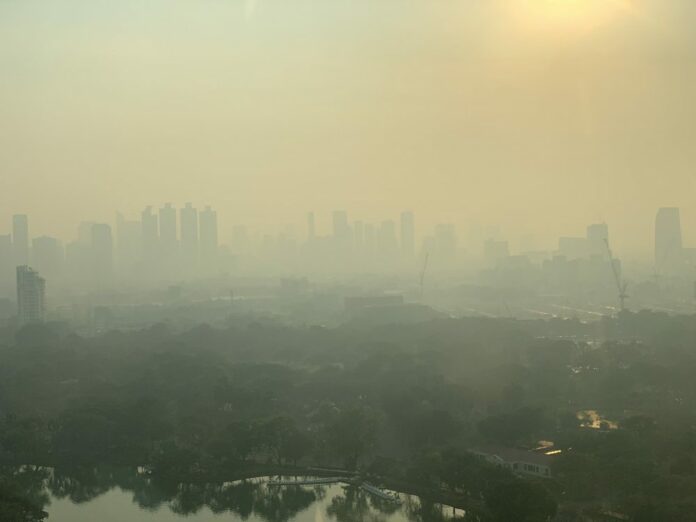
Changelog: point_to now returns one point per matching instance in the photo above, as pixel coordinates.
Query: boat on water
(366, 486)
(380, 493)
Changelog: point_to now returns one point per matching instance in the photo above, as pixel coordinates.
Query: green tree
(352, 435)
(16, 507)
(521, 501)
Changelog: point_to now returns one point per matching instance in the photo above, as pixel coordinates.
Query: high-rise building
(31, 295)
(167, 229)
(573, 247)
(150, 235)
(48, 256)
(495, 251)
(102, 248)
(668, 241)
(84, 232)
(598, 240)
(445, 244)
(20, 239)
(168, 245)
(79, 262)
(408, 234)
(189, 237)
(128, 244)
(208, 233)
(387, 242)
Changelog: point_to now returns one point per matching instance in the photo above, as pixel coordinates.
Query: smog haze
(536, 116)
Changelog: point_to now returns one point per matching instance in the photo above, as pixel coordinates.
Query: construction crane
(422, 273)
(621, 286)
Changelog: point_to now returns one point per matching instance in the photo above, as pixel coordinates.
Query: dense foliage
(402, 403)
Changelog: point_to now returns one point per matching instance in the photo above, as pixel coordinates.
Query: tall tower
(167, 229)
(189, 237)
(387, 243)
(598, 239)
(208, 238)
(20, 239)
(408, 234)
(48, 256)
(150, 236)
(31, 295)
(668, 240)
(128, 244)
(102, 246)
(167, 259)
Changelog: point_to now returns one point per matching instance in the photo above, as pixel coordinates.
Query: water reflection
(73, 494)
(352, 506)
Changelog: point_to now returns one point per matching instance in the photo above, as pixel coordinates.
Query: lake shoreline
(257, 471)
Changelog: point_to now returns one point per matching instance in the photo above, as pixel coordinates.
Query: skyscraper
(598, 239)
(78, 256)
(189, 237)
(445, 242)
(84, 232)
(167, 230)
(48, 256)
(668, 241)
(31, 295)
(150, 235)
(387, 243)
(573, 247)
(208, 239)
(102, 248)
(495, 251)
(408, 234)
(167, 260)
(128, 244)
(20, 239)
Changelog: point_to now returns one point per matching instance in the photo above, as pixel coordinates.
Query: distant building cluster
(348, 246)
(360, 246)
(169, 245)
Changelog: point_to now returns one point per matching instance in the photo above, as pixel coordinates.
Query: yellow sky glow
(569, 16)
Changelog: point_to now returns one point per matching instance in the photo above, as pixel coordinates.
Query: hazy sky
(539, 115)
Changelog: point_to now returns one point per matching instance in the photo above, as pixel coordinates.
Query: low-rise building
(518, 461)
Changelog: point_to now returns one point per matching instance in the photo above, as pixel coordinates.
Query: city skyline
(348, 260)
(537, 120)
(171, 242)
(168, 230)
(634, 245)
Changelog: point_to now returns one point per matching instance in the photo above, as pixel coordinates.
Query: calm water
(125, 495)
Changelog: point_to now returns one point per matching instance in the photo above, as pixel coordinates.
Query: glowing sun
(569, 15)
